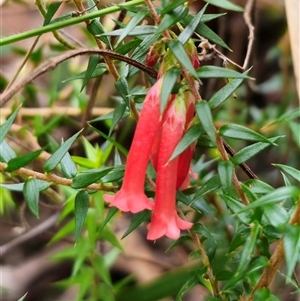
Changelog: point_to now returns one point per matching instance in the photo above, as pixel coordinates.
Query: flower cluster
(156, 136)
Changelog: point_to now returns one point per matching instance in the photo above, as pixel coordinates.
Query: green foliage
(235, 218)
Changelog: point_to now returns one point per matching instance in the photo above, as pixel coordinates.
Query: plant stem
(66, 23)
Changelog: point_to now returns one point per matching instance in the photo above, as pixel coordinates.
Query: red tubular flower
(192, 53)
(165, 220)
(131, 196)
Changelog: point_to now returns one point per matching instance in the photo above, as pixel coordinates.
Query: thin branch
(54, 111)
(41, 228)
(247, 17)
(53, 62)
(52, 178)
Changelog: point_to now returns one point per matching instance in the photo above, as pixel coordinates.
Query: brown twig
(52, 178)
(54, 111)
(53, 62)
(247, 17)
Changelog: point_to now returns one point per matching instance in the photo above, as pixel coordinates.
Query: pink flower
(165, 220)
(131, 196)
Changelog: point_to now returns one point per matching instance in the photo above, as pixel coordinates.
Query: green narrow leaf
(192, 25)
(6, 152)
(131, 25)
(169, 81)
(117, 115)
(114, 142)
(236, 207)
(249, 248)
(250, 151)
(186, 287)
(111, 212)
(7, 124)
(293, 172)
(225, 170)
(85, 179)
(203, 30)
(182, 57)
(96, 29)
(99, 70)
(276, 215)
(81, 207)
(191, 136)
(168, 8)
(137, 31)
(210, 185)
(174, 16)
(125, 48)
(237, 131)
(225, 4)
(23, 297)
(51, 163)
(277, 195)
(224, 93)
(204, 114)
(31, 195)
(52, 9)
(68, 167)
(291, 244)
(23, 160)
(121, 86)
(93, 61)
(219, 72)
(137, 219)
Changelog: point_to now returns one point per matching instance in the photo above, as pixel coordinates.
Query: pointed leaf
(111, 212)
(93, 61)
(137, 18)
(137, 219)
(99, 70)
(170, 19)
(117, 115)
(137, 31)
(203, 30)
(204, 114)
(81, 207)
(225, 170)
(59, 153)
(168, 8)
(31, 195)
(96, 29)
(6, 152)
(182, 57)
(21, 161)
(209, 186)
(250, 151)
(226, 5)
(190, 28)
(224, 93)
(219, 72)
(169, 81)
(7, 124)
(237, 131)
(85, 179)
(114, 142)
(68, 167)
(191, 136)
(276, 215)
(277, 195)
(122, 87)
(291, 244)
(52, 9)
(293, 172)
(23, 297)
